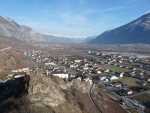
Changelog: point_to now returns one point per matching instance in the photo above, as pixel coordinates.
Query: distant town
(125, 79)
(75, 56)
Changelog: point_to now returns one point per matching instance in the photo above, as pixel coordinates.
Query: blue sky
(73, 17)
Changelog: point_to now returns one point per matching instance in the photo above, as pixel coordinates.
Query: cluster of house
(129, 67)
(107, 67)
(99, 68)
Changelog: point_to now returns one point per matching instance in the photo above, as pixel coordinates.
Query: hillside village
(75, 56)
(126, 79)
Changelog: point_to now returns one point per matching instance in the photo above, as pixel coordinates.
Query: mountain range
(137, 31)
(9, 28)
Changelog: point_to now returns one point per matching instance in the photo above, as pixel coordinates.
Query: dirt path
(4, 49)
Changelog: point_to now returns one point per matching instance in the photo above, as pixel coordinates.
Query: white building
(62, 75)
(148, 80)
(99, 72)
(130, 92)
(27, 70)
(121, 74)
(102, 78)
(50, 64)
(114, 78)
(107, 70)
(77, 61)
(88, 80)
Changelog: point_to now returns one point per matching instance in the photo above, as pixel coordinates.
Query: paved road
(105, 100)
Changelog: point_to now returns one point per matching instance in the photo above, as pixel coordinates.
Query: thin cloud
(108, 10)
(72, 19)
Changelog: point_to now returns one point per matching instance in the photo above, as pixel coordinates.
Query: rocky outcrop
(14, 88)
(10, 28)
(55, 94)
(50, 95)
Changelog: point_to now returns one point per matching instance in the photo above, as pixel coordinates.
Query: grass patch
(144, 97)
(131, 82)
(118, 69)
(133, 111)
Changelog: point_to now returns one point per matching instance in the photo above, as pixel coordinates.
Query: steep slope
(12, 55)
(54, 94)
(137, 31)
(10, 28)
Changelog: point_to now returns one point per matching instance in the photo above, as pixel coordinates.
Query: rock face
(9, 28)
(11, 91)
(14, 87)
(46, 92)
(53, 95)
(11, 59)
(137, 31)
(56, 95)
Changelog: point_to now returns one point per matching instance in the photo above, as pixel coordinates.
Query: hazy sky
(73, 17)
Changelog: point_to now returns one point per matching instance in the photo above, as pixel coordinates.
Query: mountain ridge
(10, 28)
(136, 31)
